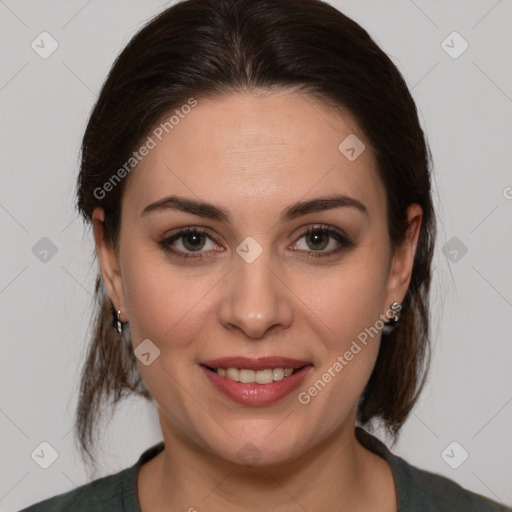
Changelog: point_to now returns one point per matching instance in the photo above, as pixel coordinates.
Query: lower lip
(257, 394)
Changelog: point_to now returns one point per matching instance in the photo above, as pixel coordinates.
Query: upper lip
(256, 363)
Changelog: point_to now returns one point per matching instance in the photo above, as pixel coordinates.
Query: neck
(338, 474)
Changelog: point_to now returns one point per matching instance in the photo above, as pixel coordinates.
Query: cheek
(164, 304)
(347, 300)
(350, 309)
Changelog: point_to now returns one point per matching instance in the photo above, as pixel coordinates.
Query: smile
(259, 381)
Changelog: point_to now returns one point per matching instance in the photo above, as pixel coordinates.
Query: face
(265, 277)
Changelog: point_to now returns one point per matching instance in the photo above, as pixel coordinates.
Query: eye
(319, 238)
(195, 243)
(188, 241)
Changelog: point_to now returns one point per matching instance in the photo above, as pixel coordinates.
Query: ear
(109, 264)
(403, 258)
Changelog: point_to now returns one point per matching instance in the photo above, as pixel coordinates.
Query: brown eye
(319, 238)
(193, 241)
(189, 241)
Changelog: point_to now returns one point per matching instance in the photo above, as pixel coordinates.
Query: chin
(257, 444)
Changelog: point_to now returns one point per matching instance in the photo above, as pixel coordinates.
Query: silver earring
(396, 309)
(118, 323)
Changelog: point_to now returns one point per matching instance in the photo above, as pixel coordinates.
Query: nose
(255, 298)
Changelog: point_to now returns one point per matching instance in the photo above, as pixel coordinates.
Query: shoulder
(105, 493)
(418, 489)
(426, 491)
(117, 492)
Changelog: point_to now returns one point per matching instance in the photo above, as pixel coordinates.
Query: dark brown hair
(206, 48)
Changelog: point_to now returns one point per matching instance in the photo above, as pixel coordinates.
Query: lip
(255, 394)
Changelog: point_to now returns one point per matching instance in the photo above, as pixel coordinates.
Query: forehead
(251, 150)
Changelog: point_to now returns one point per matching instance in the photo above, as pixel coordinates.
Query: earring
(117, 321)
(396, 309)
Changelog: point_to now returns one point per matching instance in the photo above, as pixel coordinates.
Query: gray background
(465, 105)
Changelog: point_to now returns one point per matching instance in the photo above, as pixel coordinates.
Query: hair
(208, 48)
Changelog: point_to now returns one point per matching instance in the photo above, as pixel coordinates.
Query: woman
(258, 184)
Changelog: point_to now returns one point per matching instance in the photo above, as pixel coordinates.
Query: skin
(254, 154)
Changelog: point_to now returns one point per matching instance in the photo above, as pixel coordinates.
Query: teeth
(250, 376)
(247, 376)
(264, 376)
(233, 374)
(278, 373)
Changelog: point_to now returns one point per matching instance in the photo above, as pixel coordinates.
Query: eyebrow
(210, 211)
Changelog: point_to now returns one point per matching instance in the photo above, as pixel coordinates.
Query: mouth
(256, 381)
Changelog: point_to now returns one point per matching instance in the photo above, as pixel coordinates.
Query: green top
(416, 490)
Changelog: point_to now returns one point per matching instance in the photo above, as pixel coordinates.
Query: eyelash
(341, 238)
